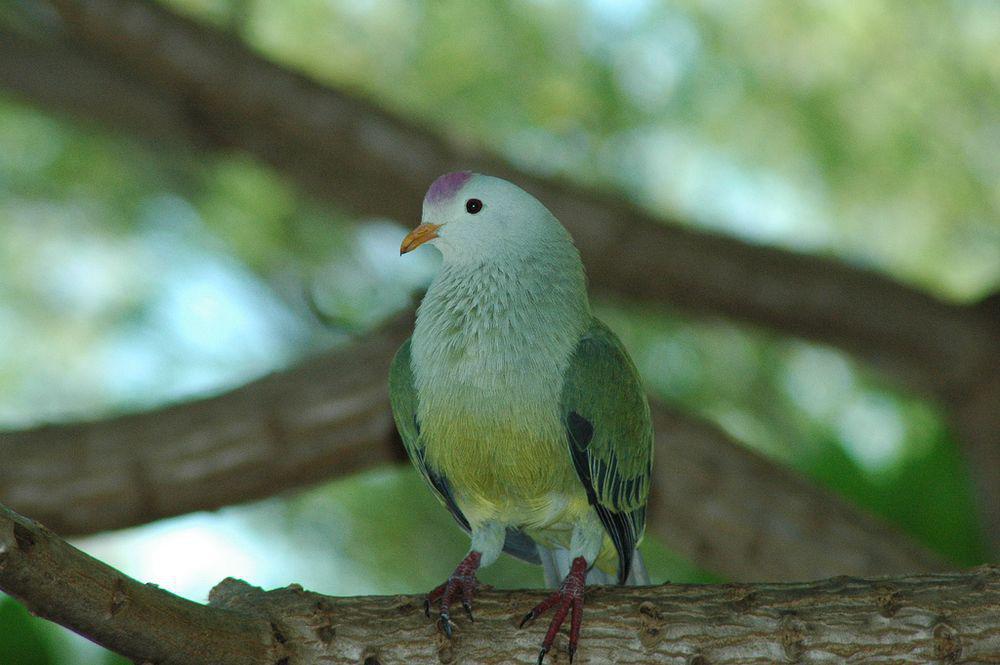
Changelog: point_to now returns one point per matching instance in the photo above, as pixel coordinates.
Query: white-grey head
(471, 217)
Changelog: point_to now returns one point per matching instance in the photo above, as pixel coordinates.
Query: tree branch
(64, 77)
(328, 417)
(951, 618)
(728, 509)
(60, 583)
(159, 75)
(734, 512)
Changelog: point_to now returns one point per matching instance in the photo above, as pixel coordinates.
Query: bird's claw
(568, 601)
(446, 624)
(460, 586)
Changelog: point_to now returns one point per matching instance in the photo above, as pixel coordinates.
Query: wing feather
(610, 437)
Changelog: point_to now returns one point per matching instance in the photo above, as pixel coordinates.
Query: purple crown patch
(446, 186)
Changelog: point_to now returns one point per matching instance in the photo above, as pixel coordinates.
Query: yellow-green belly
(506, 473)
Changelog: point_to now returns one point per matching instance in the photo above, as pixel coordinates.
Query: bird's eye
(472, 206)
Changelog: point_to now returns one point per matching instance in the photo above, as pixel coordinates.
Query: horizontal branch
(327, 417)
(949, 618)
(953, 618)
(725, 507)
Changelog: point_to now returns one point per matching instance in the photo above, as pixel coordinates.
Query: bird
(521, 410)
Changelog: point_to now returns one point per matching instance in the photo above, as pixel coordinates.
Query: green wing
(610, 436)
(403, 398)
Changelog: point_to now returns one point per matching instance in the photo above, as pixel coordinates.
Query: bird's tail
(556, 564)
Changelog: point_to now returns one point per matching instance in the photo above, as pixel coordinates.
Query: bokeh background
(132, 276)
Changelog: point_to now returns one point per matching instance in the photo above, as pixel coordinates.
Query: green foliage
(115, 659)
(927, 495)
(816, 410)
(23, 640)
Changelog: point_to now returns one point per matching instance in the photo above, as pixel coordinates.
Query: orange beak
(418, 237)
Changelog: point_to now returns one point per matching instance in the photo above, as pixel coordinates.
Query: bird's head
(473, 217)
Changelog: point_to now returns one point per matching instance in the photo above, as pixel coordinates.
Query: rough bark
(952, 618)
(60, 583)
(728, 509)
(949, 618)
(136, 66)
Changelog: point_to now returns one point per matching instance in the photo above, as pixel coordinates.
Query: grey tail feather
(556, 563)
(549, 567)
(638, 576)
(519, 544)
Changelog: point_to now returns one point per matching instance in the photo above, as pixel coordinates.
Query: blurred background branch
(724, 507)
(327, 417)
(378, 164)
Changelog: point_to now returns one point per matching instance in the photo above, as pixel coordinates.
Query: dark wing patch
(440, 483)
(610, 437)
(621, 526)
(520, 545)
(580, 430)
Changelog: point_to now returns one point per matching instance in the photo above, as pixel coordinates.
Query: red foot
(568, 597)
(463, 581)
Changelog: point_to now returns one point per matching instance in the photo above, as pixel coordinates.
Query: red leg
(569, 598)
(462, 584)
(574, 626)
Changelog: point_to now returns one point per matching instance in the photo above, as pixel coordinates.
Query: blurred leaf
(928, 497)
(23, 640)
(114, 659)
